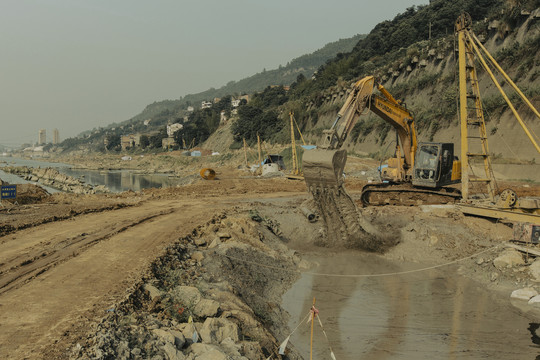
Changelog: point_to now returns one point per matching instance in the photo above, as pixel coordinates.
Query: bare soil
(65, 260)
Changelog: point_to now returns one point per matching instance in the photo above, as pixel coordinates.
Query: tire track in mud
(6, 229)
(16, 271)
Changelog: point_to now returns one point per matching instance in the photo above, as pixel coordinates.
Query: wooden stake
(293, 148)
(312, 322)
(259, 148)
(245, 152)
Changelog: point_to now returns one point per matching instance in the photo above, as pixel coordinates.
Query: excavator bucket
(324, 168)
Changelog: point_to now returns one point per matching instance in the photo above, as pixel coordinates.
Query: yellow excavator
(417, 174)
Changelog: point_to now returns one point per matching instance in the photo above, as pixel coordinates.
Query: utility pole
(259, 148)
(245, 152)
(430, 30)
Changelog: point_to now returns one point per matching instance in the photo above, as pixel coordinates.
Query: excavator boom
(324, 166)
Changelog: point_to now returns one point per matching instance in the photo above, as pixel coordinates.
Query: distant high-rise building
(42, 137)
(56, 137)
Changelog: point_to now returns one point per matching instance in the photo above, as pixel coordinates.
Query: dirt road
(66, 272)
(58, 278)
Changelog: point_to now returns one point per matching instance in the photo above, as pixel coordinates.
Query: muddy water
(433, 314)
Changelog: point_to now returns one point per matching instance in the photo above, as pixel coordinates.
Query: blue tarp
(196, 153)
(308, 147)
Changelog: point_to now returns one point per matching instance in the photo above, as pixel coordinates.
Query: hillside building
(172, 128)
(129, 141)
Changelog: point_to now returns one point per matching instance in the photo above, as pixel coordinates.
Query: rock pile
(213, 295)
(53, 178)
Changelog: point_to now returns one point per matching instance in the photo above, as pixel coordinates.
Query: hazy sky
(75, 65)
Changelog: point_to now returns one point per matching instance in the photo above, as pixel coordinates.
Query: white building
(171, 129)
(206, 105)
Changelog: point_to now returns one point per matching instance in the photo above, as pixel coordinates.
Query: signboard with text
(8, 192)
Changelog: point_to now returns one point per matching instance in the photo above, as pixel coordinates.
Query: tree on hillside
(191, 133)
(252, 121)
(144, 141)
(113, 142)
(156, 139)
(402, 31)
(271, 96)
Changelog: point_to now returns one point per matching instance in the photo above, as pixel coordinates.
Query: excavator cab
(435, 165)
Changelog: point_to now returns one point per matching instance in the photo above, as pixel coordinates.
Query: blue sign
(8, 192)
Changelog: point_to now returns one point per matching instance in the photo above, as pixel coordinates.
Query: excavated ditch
(248, 278)
(434, 314)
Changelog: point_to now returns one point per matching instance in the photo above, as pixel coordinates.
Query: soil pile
(29, 194)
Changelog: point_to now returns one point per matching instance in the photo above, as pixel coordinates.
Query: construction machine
(416, 174)
(474, 143)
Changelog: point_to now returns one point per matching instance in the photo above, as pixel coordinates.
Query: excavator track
(406, 195)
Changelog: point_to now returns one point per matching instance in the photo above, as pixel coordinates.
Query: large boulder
(508, 259)
(188, 296)
(153, 292)
(172, 353)
(206, 308)
(534, 270)
(207, 352)
(524, 294)
(188, 330)
(164, 335)
(170, 336)
(215, 330)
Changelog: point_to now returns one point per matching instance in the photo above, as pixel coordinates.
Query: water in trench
(433, 314)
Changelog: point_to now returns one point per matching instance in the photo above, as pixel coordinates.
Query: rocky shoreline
(53, 178)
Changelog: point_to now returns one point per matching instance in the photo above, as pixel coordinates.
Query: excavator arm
(354, 106)
(325, 166)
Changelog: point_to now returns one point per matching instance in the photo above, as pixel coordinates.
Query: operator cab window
(427, 158)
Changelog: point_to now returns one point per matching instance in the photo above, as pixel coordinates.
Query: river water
(115, 180)
(432, 314)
